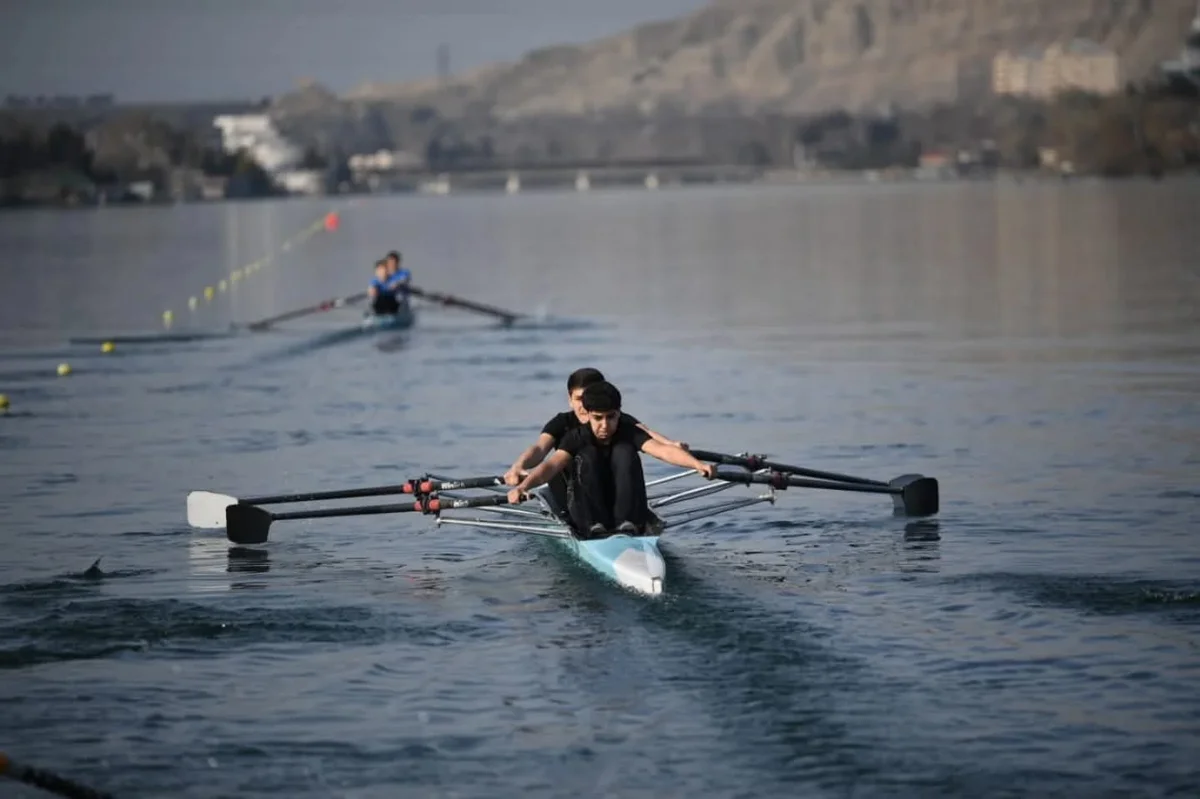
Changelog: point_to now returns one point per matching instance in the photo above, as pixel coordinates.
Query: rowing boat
(634, 562)
(401, 320)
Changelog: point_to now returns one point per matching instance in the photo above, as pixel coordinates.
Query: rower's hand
(708, 470)
(516, 496)
(514, 477)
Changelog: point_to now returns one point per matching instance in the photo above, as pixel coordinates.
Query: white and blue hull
(632, 561)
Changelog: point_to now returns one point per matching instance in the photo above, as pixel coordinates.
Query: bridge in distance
(582, 175)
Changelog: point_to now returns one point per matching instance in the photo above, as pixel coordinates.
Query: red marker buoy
(331, 221)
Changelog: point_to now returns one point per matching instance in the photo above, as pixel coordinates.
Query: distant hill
(797, 57)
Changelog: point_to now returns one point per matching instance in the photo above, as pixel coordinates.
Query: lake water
(1035, 347)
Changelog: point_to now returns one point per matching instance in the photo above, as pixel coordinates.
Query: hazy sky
(230, 49)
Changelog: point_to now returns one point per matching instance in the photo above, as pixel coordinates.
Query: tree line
(117, 152)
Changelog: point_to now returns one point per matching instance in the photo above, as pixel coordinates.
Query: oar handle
(755, 462)
(427, 486)
(53, 783)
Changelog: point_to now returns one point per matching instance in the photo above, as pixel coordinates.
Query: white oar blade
(207, 510)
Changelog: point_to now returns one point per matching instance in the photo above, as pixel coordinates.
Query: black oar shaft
(363, 510)
(249, 525)
(783, 480)
(428, 505)
(315, 496)
(912, 494)
(759, 463)
(326, 305)
(449, 299)
(53, 783)
(416, 486)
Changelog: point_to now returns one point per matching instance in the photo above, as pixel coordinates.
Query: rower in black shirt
(560, 425)
(608, 489)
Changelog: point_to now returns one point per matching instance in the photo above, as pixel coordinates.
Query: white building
(1187, 66)
(1079, 65)
(385, 161)
(257, 135)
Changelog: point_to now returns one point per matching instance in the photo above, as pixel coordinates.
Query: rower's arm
(677, 456)
(534, 454)
(545, 471)
(661, 438)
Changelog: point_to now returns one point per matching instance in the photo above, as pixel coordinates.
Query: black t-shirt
(567, 421)
(582, 436)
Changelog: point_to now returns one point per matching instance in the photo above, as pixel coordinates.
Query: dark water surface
(1036, 348)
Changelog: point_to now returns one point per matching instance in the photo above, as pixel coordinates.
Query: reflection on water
(1023, 270)
(248, 560)
(1001, 262)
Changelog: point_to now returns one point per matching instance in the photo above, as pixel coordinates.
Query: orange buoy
(331, 221)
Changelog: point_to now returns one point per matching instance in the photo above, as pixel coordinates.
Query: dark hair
(381, 263)
(602, 397)
(582, 378)
(393, 254)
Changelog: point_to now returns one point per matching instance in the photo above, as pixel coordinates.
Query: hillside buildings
(1078, 65)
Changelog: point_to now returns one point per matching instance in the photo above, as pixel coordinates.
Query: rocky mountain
(797, 57)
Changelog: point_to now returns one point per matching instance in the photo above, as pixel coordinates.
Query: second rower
(562, 423)
(380, 293)
(608, 489)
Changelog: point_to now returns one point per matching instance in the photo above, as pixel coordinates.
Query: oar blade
(247, 524)
(918, 495)
(206, 509)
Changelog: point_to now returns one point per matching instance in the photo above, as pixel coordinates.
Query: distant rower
(382, 295)
(399, 278)
(608, 488)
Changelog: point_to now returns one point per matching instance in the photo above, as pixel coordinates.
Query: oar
(53, 783)
(326, 305)
(912, 494)
(206, 509)
(450, 300)
(247, 524)
(755, 462)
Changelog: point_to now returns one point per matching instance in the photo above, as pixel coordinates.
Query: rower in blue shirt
(381, 292)
(398, 278)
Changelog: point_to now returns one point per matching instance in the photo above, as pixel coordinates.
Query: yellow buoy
(235, 275)
(208, 292)
(107, 347)
(192, 303)
(221, 286)
(3, 402)
(64, 369)
(168, 317)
